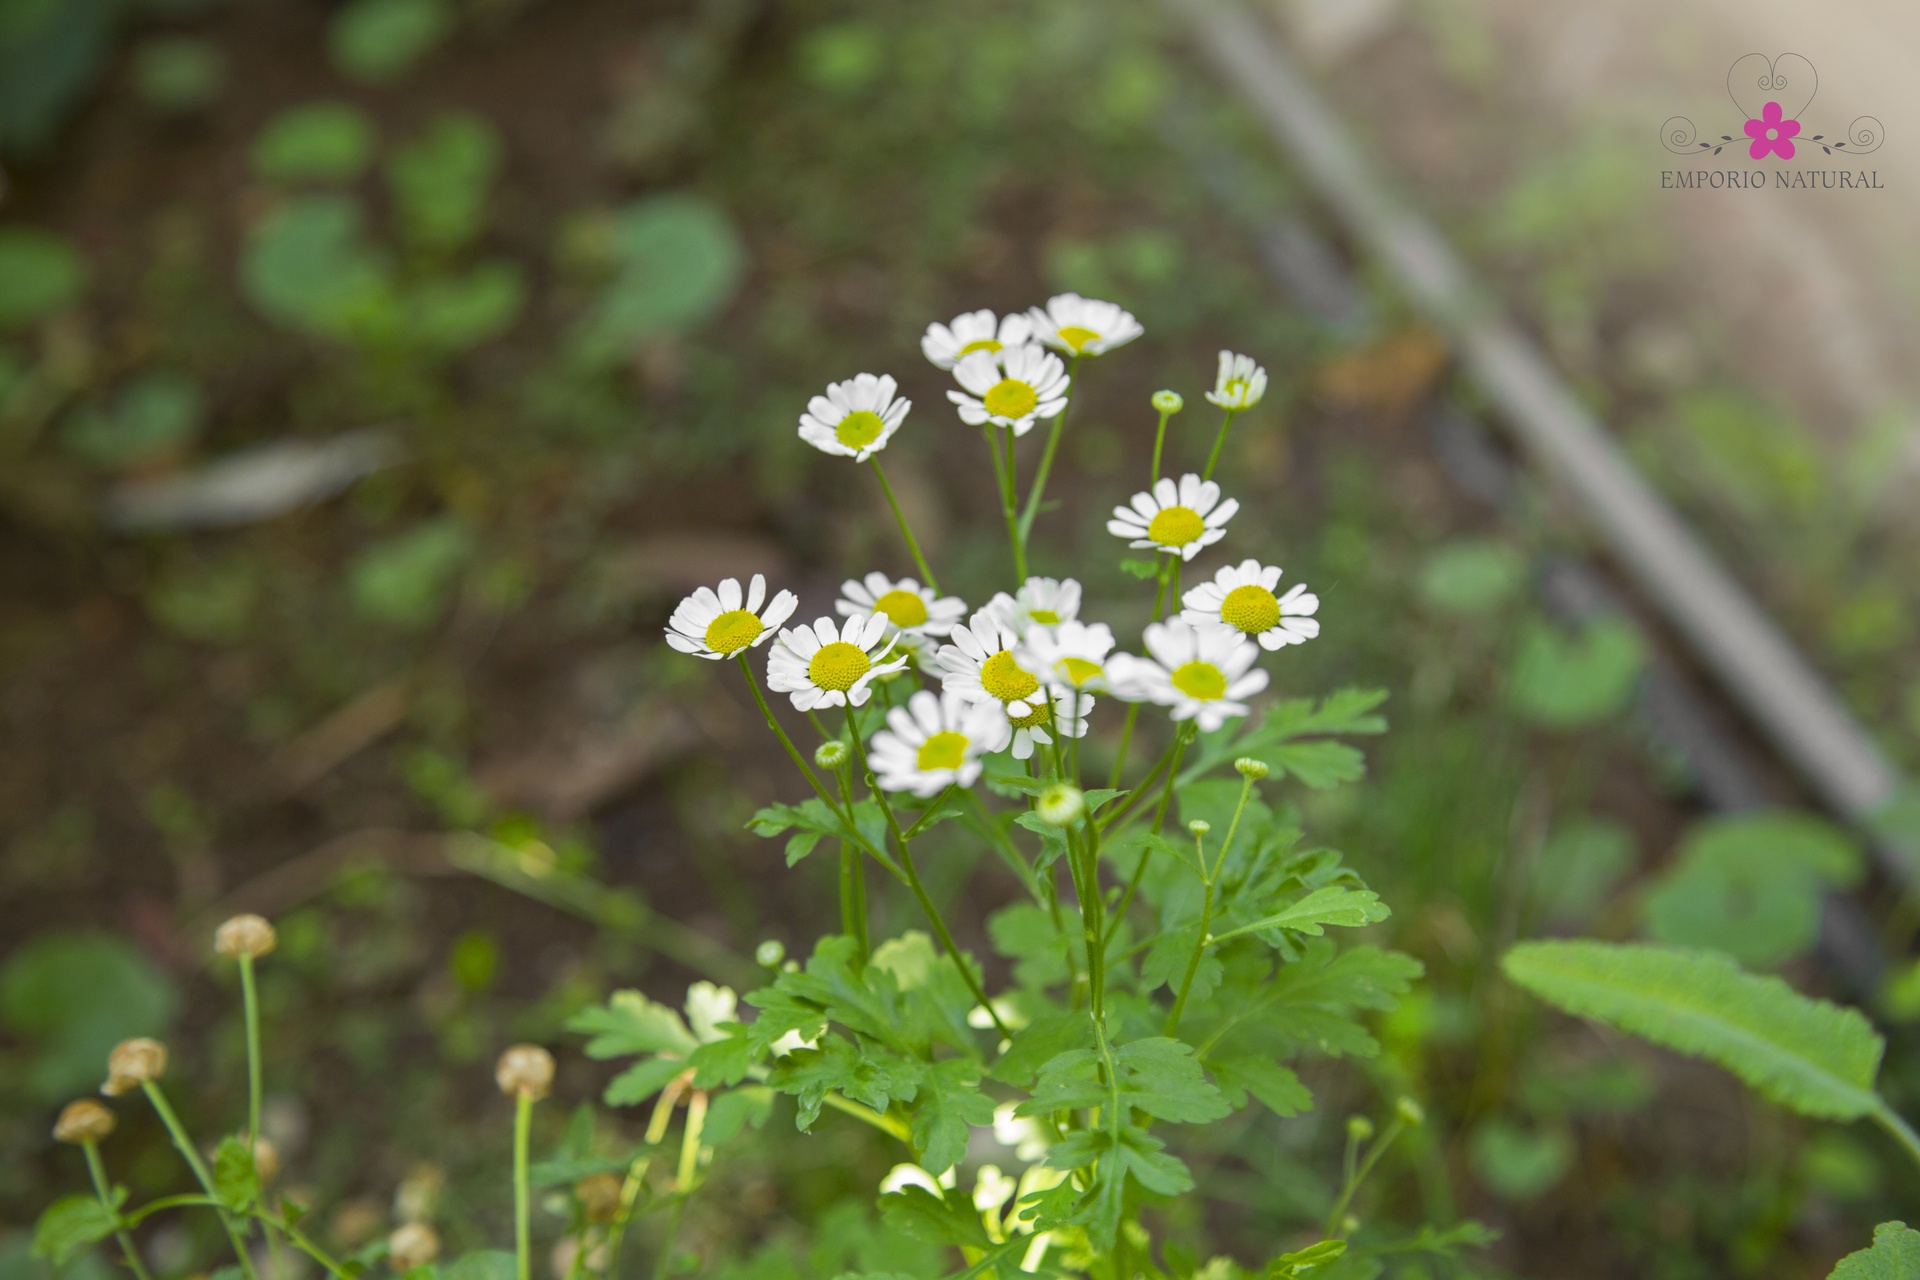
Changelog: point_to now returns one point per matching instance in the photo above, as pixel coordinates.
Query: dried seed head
(1199, 826)
(132, 1064)
(599, 1196)
(83, 1120)
(525, 1071)
(1168, 402)
(412, 1244)
(247, 935)
(831, 755)
(1061, 805)
(417, 1198)
(770, 953)
(1250, 768)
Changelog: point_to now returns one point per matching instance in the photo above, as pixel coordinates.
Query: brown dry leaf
(1388, 378)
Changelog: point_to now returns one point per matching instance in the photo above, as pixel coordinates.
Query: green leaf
(1332, 904)
(454, 313)
(318, 142)
(1895, 1255)
(1520, 1164)
(641, 1081)
(1470, 575)
(1302, 1264)
(944, 1219)
(1025, 934)
(1320, 765)
(812, 818)
(440, 180)
(725, 1061)
(1143, 569)
(1041, 1041)
(74, 1222)
(1158, 1076)
(629, 1023)
(1565, 682)
(235, 1182)
(1579, 868)
(158, 414)
(680, 262)
(39, 275)
(872, 1077)
(307, 267)
(71, 997)
(1275, 1085)
(1131, 1152)
(481, 1264)
(734, 1110)
(379, 40)
(949, 1105)
(1813, 1057)
(405, 581)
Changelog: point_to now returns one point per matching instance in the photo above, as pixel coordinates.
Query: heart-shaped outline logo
(1754, 80)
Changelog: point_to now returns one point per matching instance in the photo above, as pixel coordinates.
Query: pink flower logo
(1772, 134)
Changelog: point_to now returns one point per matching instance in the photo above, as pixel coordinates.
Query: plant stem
(905, 531)
(250, 1001)
(1093, 913)
(1902, 1132)
(102, 1189)
(1046, 458)
(184, 1143)
(663, 1262)
(1359, 1176)
(1003, 474)
(522, 1192)
(1126, 745)
(1172, 761)
(1219, 442)
(878, 1119)
(853, 900)
(1159, 439)
(1208, 877)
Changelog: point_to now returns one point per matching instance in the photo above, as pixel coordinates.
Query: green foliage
(236, 1183)
(74, 1222)
(1580, 865)
(179, 75)
(307, 266)
(40, 274)
(156, 415)
(1808, 1055)
(440, 181)
(318, 142)
(676, 260)
(1470, 575)
(1568, 682)
(1894, 1255)
(404, 581)
(1520, 1164)
(1751, 886)
(378, 41)
(481, 1264)
(50, 53)
(73, 996)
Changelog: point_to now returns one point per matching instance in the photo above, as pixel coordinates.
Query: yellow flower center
(1045, 617)
(731, 632)
(837, 666)
(944, 750)
(1077, 671)
(1251, 609)
(859, 429)
(980, 344)
(1176, 527)
(1075, 337)
(1033, 719)
(1011, 398)
(1005, 679)
(903, 608)
(1236, 389)
(1200, 680)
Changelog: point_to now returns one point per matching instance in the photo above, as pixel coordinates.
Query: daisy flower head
(821, 665)
(1042, 602)
(980, 666)
(1203, 674)
(946, 344)
(1083, 326)
(934, 742)
(911, 608)
(1010, 388)
(855, 418)
(1062, 711)
(721, 623)
(1241, 598)
(1071, 656)
(1180, 518)
(1239, 384)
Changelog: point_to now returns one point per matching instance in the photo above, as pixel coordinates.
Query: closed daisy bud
(245, 935)
(770, 953)
(831, 755)
(1248, 767)
(1168, 402)
(1359, 1128)
(1199, 826)
(599, 1196)
(414, 1244)
(83, 1120)
(1061, 805)
(525, 1071)
(1411, 1112)
(132, 1064)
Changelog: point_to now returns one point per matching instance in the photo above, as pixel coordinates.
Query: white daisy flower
(1180, 518)
(856, 418)
(911, 608)
(1239, 384)
(1083, 326)
(1241, 597)
(1010, 388)
(1201, 673)
(934, 742)
(1045, 602)
(980, 666)
(719, 624)
(1071, 656)
(1062, 711)
(945, 344)
(821, 665)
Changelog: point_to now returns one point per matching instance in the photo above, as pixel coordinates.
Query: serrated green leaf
(1039, 1042)
(943, 1219)
(949, 1105)
(1320, 765)
(1310, 1002)
(1301, 1264)
(725, 1061)
(1332, 904)
(1813, 1057)
(641, 1081)
(481, 1264)
(1273, 1084)
(235, 1183)
(629, 1023)
(734, 1110)
(871, 1076)
(1894, 1255)
(71, 1223)
(1158, 1076)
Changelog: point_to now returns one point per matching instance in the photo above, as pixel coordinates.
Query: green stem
(905, 531)
(1046, 458)
(1003, 475)
(663, 1263)
(184, 1143)
(1219, 442)
(1159, 439)
(250, 1001)
(1126, 745)
(1199, 943)
(853, 900)
(1093, 912)
(305, 1245)
(878, 1119)
(1902, 1132)
(102, 1189)
(1359, 1176)
(522, 1190)
(1172, 761)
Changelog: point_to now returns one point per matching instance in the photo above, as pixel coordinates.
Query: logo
(1773, 96)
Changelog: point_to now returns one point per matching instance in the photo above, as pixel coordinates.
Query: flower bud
(1061, 805)
(413, 1244)
(770, 953)
(132, 1064)
(266, 1159)
(1199, 826)
(82, 1120)
(525, 1071)
(831, 754)
(1168, 402)
(245, 935)
(1411, 1112)
(599, 1196)
(1251, 769)
(1359, 1128)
